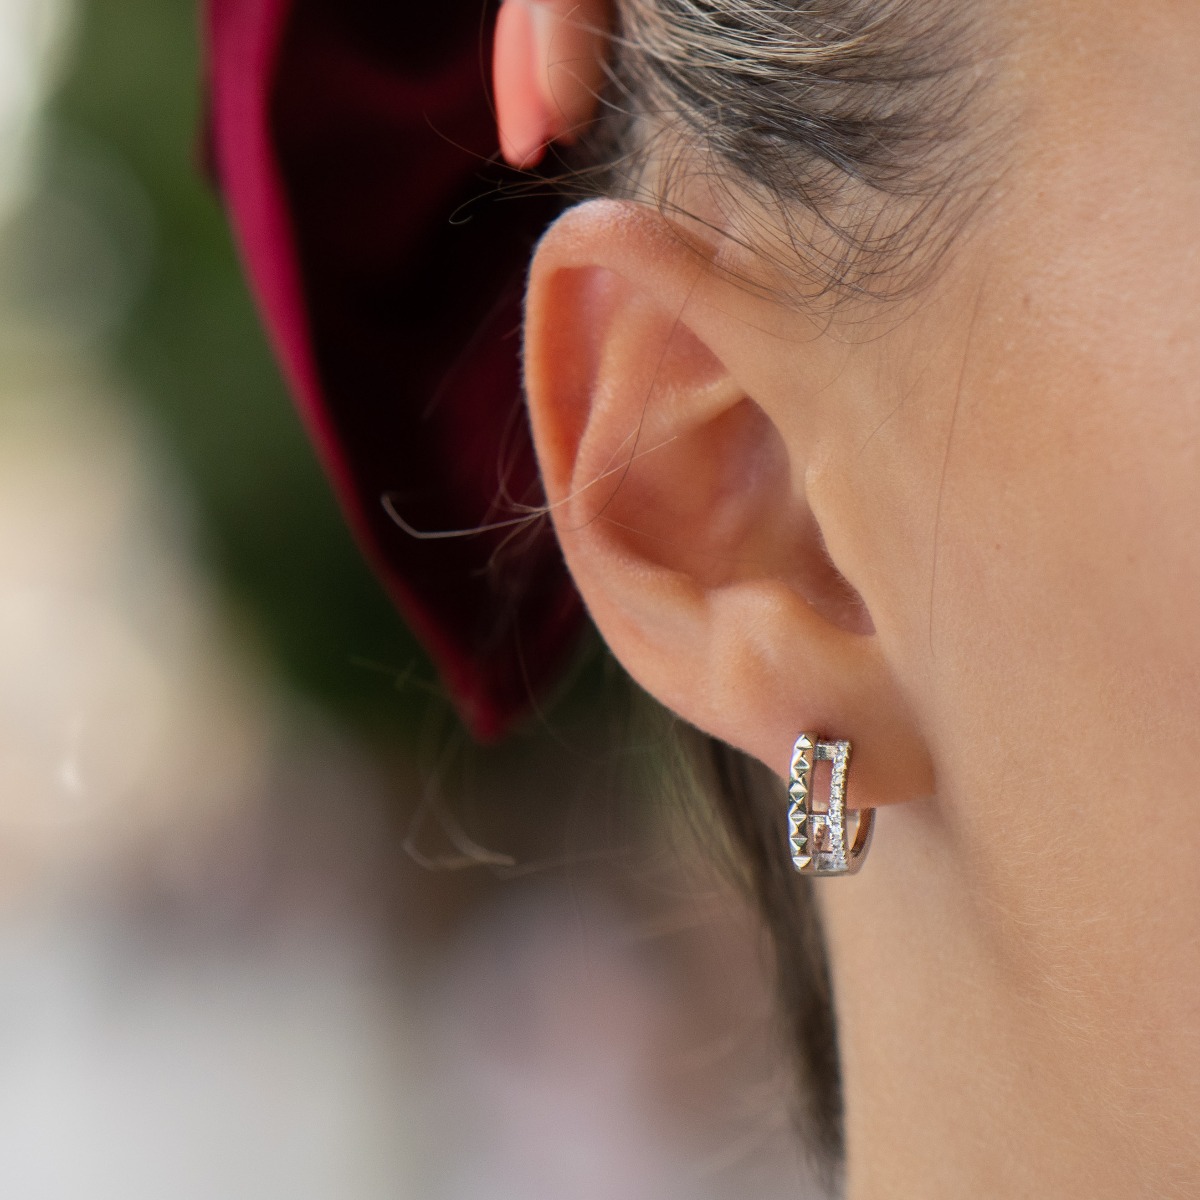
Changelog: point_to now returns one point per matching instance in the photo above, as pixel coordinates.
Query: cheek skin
(1072, 498)
(1075, 473)
(1062, 620)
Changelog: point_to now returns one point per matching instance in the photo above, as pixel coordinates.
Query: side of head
(868, 404)
(831, 441)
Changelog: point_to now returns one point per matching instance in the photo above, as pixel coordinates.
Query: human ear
(676, 472)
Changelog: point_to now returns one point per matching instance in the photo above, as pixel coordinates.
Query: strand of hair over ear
(527, 513)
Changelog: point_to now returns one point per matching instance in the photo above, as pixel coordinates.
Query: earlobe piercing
(819, 841)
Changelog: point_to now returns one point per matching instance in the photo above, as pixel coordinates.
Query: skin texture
(966, 535)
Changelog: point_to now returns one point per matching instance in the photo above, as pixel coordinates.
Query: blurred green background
(121, 148)
(227, 970)
(191, 344)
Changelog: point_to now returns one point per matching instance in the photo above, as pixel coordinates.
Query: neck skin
(1010, 1032)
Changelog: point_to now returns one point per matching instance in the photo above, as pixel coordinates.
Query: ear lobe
(680, 502)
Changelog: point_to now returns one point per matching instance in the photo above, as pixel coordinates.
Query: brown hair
(828, 136)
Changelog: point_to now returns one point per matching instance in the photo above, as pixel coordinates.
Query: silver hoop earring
(819, 840)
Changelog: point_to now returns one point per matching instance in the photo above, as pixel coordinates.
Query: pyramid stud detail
(820, 841)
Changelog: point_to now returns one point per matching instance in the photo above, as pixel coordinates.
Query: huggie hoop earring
(818, 839)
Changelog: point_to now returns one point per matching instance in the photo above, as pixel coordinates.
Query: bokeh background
(270, 926)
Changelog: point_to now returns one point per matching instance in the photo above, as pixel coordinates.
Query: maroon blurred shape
(353, 142)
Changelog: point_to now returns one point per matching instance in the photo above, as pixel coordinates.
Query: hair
(830, 138)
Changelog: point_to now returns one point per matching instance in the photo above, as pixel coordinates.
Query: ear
(677, 422)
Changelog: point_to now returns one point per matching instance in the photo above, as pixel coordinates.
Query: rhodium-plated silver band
(818, 839)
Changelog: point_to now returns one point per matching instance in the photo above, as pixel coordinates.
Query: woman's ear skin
(681, 423)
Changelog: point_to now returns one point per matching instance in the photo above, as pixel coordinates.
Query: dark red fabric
(351, 140)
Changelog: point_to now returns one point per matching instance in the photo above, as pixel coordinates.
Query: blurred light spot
(33, 45)
(125, 718)
(73, 261)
